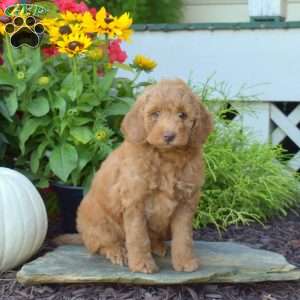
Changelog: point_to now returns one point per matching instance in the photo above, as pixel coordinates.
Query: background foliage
(144, 11)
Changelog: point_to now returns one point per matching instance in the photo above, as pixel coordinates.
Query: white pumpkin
(23, 219)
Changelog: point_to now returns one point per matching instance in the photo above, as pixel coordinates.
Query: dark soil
(280, 234)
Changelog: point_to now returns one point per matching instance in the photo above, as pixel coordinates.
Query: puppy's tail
(68, 239)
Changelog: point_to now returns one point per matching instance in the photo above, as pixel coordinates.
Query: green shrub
(246, 181)
(144, 11)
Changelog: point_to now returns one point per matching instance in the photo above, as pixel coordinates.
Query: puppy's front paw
(116, 254)
(186, 264)
(146, 265)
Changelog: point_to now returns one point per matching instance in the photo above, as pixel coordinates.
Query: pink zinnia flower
(50, 51)
(115, 53)
(93, 11)
(6, 3)
(71, 5)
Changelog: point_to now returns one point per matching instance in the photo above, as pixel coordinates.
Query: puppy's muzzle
(169, 137)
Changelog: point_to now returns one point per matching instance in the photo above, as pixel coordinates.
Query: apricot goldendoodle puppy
(148, 189)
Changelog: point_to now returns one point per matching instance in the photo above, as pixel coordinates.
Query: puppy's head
(168, 114)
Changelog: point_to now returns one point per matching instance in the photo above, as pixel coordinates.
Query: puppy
(147, 190)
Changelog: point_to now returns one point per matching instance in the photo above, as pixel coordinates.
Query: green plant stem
(9, 54)
(137, 75)
(74, 66)
(94, 75)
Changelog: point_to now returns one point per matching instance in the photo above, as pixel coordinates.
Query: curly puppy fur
(147, 190)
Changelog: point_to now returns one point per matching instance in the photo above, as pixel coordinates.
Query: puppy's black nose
(169, 136)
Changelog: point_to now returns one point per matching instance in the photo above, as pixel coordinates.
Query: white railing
(270, 124)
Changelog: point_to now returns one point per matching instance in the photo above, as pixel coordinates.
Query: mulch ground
(280, 234)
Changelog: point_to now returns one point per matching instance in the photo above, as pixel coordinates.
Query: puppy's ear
(133, 127)
(203, 126)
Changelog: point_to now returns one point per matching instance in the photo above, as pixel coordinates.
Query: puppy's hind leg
(102, 235)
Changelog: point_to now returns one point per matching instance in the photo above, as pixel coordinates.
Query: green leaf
(36, 156)
(90, 99)
(64, 123)
(4, 111)
(60, 104)
(11, 102)
(21, 87)
(6, 78)
(85, 107)
(106, 82)
(35, 63)
(73, 85)
(63, 160)
(129, 100)
(117, 109)
(82, 134)
(85, 156)
(30, 126)
(38, 107)
(42, 183)
(79, 121)
(124, 67)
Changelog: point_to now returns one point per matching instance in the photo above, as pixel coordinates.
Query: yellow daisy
(70, 17)
(49, 22)
(107, 24)
(122, 27)
(74, 44)
(88, 22)
(56, 33)
(144, 63)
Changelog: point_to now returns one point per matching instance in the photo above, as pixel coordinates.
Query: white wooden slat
(285, 124)
(294, 163)
(278, 134)
(255, 116)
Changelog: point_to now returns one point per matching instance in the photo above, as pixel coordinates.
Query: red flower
(1, 60)
(6, 3)
(93, 11)
(50, 51)
(71, 5)
(115, 53)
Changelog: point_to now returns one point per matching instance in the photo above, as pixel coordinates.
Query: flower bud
(43, 80)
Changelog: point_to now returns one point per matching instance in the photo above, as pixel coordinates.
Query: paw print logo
(24, 31)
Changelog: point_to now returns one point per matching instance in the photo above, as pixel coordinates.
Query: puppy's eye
(182, 115)
(155, 115)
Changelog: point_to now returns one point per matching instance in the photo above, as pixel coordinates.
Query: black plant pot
(69, 198)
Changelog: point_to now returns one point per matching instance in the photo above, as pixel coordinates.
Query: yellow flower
(74, 44)
(65, 23)
(70, 17)
(144, 63)
(107, 24)
(56, 33)
(122, 29)
(2, 27)
(47, 22)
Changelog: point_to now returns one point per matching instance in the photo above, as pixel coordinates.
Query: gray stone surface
(221, 262)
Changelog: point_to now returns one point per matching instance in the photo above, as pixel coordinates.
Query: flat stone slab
(221, 262)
